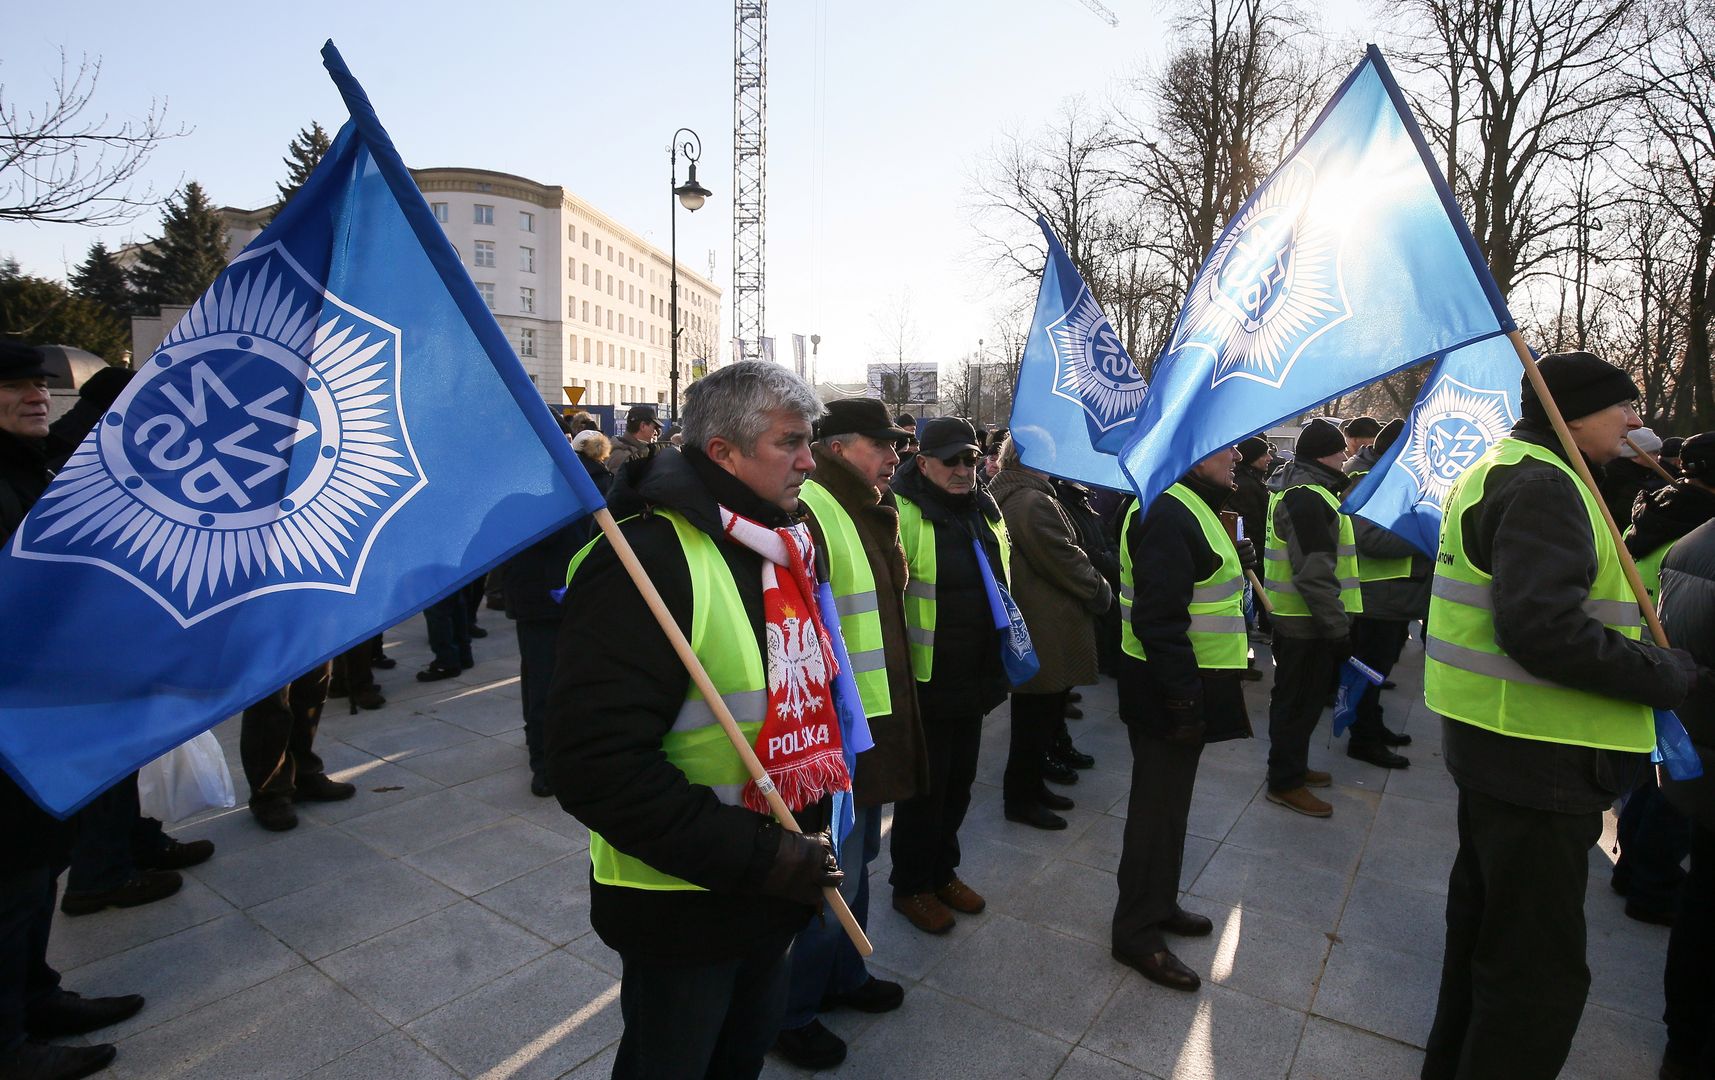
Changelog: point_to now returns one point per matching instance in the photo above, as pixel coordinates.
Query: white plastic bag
(186, 780)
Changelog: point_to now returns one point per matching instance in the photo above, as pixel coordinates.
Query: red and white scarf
(799, 743)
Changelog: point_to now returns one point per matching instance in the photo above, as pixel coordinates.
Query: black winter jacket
(1532, 534)
(1397, 599)
(1310, 529)
(1688, 613)
(530, 577)
(617, 688)
(1169, 555)
(1666, 514)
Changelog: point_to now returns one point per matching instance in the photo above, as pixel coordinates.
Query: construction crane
(749, 171)
(1101, 12)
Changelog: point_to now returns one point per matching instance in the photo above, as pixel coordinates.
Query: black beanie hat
(1252, 448)
(1670, 447)
(1581, 382)
(1697, 457)
(1389, 435)
(1319, 439)
(1362, 427)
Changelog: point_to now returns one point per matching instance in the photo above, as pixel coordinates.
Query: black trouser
(712, 1021)
(926, 828)
(1513, 978)
(448, 622)
(475, 591)
(1035, 720)
(1654, 838)
(26, 915)
(277, 735)
(536, 641)
(1162, 778)
(352, 673)
(1304, 672)
(1690, 978)
(112, 834)
(1378, 643)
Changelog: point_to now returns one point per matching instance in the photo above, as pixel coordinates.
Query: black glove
(1704, 687)
(104, 387)
(1342, 647)
(1185, 723)
(1247, 554)
(803, 867)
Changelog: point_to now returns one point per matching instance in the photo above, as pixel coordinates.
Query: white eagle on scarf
(796, 663)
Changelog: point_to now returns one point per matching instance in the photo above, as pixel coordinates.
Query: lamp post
(691, 196)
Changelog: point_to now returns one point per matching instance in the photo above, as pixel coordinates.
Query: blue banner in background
(1469, 402)
(334, 436)
(1349, 263)
(1076, 383)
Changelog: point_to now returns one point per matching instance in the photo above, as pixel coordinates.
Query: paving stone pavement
(437, 924)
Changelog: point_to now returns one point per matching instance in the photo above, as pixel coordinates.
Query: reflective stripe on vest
(1277, 583)
(1377, 568)
(1217, 630)
(853, 583)
(917, 537)
(724, 640)
(1468, 677)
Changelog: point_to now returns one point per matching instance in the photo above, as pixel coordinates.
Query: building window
(586, 239)
(527, 300)
(440, 210)
(610, 318)
(586, 273)
(527, 343)
(610, 284)
(571, 269)
(586, 350)
(527, 260)
(484, 255)
(484, 214)
(586, 318)
(598, 314)
(486, 288)
(526, 221)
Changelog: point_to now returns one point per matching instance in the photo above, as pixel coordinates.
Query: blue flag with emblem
(1469, 402)
(335, 435)
(1076, 383)
(1349, 263)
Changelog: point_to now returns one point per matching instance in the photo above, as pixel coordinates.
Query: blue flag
(1349, 263)
(335, 435)
(1469, 402)
(1076, 384)
(1356, 677)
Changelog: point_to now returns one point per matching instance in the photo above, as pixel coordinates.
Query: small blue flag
(335, 435)
(1356, 677)
(1076, 383)
(1349, 263)
(1469, 402)
(1674, 750)
(855, 735)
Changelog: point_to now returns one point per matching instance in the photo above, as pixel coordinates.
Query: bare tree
(65, 164)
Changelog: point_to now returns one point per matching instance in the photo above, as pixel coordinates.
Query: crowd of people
(863, 589)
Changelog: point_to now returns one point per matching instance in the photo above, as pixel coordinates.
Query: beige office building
(583, 300)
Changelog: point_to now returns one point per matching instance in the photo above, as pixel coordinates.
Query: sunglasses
(967, 459)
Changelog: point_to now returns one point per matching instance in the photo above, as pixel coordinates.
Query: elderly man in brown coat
(1057, 589)
(855, 523)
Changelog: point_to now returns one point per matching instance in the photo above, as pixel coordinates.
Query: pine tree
(302, 155)
(42, 312)
(102, 280)
(184, 260)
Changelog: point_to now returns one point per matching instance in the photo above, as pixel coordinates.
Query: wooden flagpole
(652, 597)
(1576, 457)
(1649, 459)
(1258, 592)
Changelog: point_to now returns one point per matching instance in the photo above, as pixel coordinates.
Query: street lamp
(691, 195)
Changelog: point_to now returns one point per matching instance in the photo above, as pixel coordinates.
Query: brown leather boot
(961, 897)
(1300, 800)
(924, 911)
(1317, 778)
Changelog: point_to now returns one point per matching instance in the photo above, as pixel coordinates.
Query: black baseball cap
(947, 437)
(641, 413)
(865, 416)
(19, 361)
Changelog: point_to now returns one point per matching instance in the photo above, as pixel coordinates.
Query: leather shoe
(1187, 924)
(1377, 754)
(872, 996)
(437, 671)
(1389, 684)
(174, 855)
(369, 698)
(1317, 778)
(924, 911)
(539, 786)
(39, 1061)
(1056, 771)
(145, 888)
(1300, 800)
(385, 663)
(1074, 713)
(1074, 696)
(961, 897)
(1161, 967)
(1034, 815)
(316, 787)
(1053, 801)
(65, 1014)
(1395, 738)
(275, 815)
(811, 1047)
(1653, 916)
(477, 631)
(1066, 753)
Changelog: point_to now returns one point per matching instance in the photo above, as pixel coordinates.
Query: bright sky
(878, 116)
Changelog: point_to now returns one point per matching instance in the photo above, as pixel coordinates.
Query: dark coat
(29, 836)
(629, 448)
(1399, 599)
(1532, 534)
(1310, 529)
(1054, 583)
(1663, 516)
(967, 678)
(897, 767)
(1169, 555)
(1621, 482)
(1688, 613)
(617, 688)
(529, 578)
(1250, 502)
